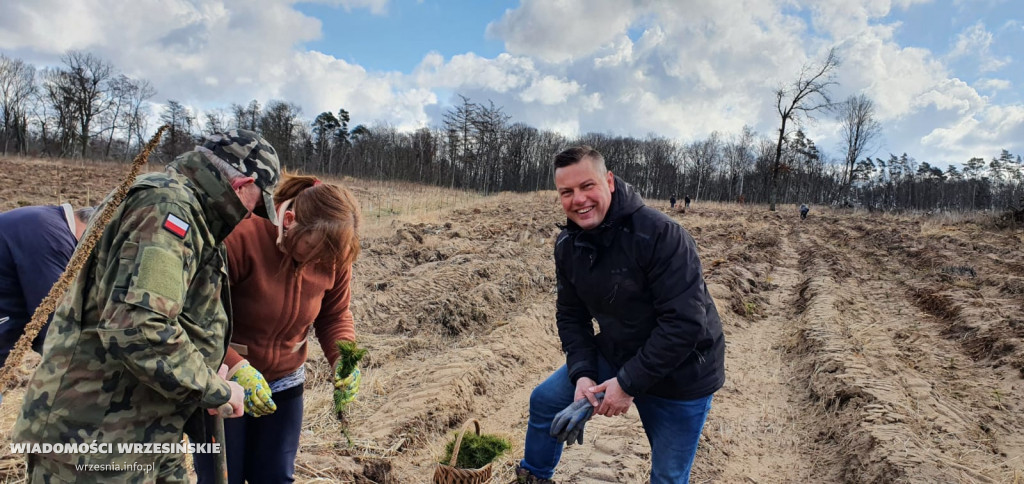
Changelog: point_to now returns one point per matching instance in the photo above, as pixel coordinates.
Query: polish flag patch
(176, 225)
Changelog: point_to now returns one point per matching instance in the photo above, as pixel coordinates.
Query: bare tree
(182, 122)
(247, 117)
(278, 125)
(739, 155)
(59, 94)
(216, 121)
(87, 77)
(324, 127)
(118, 118)
(706, 155)
(138, 97)
(489, 128)
(458, 126)
(42, 117)
(17, 86)
(859, 130)
(809, 93)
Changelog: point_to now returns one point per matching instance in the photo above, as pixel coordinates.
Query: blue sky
(945, 75)
(398, 40)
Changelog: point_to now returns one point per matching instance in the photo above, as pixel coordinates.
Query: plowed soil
(861, 347)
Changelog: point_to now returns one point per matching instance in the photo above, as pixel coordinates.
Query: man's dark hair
(85, 214)
(575, 154)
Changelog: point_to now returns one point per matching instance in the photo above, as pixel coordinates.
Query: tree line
(84, 108)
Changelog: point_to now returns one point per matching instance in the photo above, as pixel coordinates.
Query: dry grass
(432, 250)
(382, 201)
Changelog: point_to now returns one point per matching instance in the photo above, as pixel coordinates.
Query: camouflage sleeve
(139, 325)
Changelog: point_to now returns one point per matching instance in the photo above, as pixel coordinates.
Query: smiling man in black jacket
(660, 344)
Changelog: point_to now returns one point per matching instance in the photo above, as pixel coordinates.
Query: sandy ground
(860, 347)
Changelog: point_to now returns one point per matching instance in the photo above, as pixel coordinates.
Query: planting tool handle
(220, 461)
(458, 441)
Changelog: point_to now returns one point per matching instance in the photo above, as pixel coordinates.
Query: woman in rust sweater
(285, 279)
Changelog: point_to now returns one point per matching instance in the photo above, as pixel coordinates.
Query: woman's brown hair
(327, 212)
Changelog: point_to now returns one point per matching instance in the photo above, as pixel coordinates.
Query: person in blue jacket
(36, 244)
(660, 346)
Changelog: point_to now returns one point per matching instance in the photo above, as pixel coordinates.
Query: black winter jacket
(639, 276)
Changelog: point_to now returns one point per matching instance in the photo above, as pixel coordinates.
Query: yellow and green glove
(345, 389)
(347, 375)
(257, 392)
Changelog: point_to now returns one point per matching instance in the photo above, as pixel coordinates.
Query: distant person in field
(286, 279)
(803, 211)
(672, 202)
(660, 346)
(686, 201)
(36, 244)
(134, 350)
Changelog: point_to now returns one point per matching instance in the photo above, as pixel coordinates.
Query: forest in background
(85, 108)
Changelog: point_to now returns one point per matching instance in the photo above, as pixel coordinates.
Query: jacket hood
(222, 208)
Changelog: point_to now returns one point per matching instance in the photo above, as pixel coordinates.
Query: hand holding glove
(257, 391)
(346, 388)
(567, 425)
(346, 375)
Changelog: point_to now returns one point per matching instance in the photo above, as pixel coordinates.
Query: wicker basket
(449, 474)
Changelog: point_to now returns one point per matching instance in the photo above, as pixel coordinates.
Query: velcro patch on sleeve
(176, 225)
(160, 283)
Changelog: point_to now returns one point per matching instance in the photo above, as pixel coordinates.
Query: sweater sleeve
(239, 268)
(335, 320)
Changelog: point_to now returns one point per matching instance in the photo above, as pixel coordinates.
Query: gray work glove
(568, 424)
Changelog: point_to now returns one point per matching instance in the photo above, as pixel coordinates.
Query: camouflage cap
(253, 156)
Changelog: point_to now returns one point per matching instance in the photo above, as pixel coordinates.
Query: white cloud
(549, 90)
(993, 128)
(699, 67)
(952, 95)
(844, 18)
(557, 31)
(1012, 24)
(893, 76)
(591, 102)
(501, 74)
(679, 69)
(976, 42)
(905, 4)
(219, 52)
(378, 7)
(993, 84)
(323, 83)
(621, 53)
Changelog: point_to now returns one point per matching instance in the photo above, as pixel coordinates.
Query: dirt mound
(881, 372)
(451, 279)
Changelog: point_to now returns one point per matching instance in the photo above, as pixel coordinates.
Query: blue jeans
(260, 450)
(673, 427)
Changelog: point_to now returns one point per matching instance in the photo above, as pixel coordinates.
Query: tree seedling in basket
(476, 451)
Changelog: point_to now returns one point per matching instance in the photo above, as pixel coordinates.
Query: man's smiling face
(586, 193)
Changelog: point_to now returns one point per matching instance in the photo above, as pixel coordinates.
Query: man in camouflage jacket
(135, 345)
